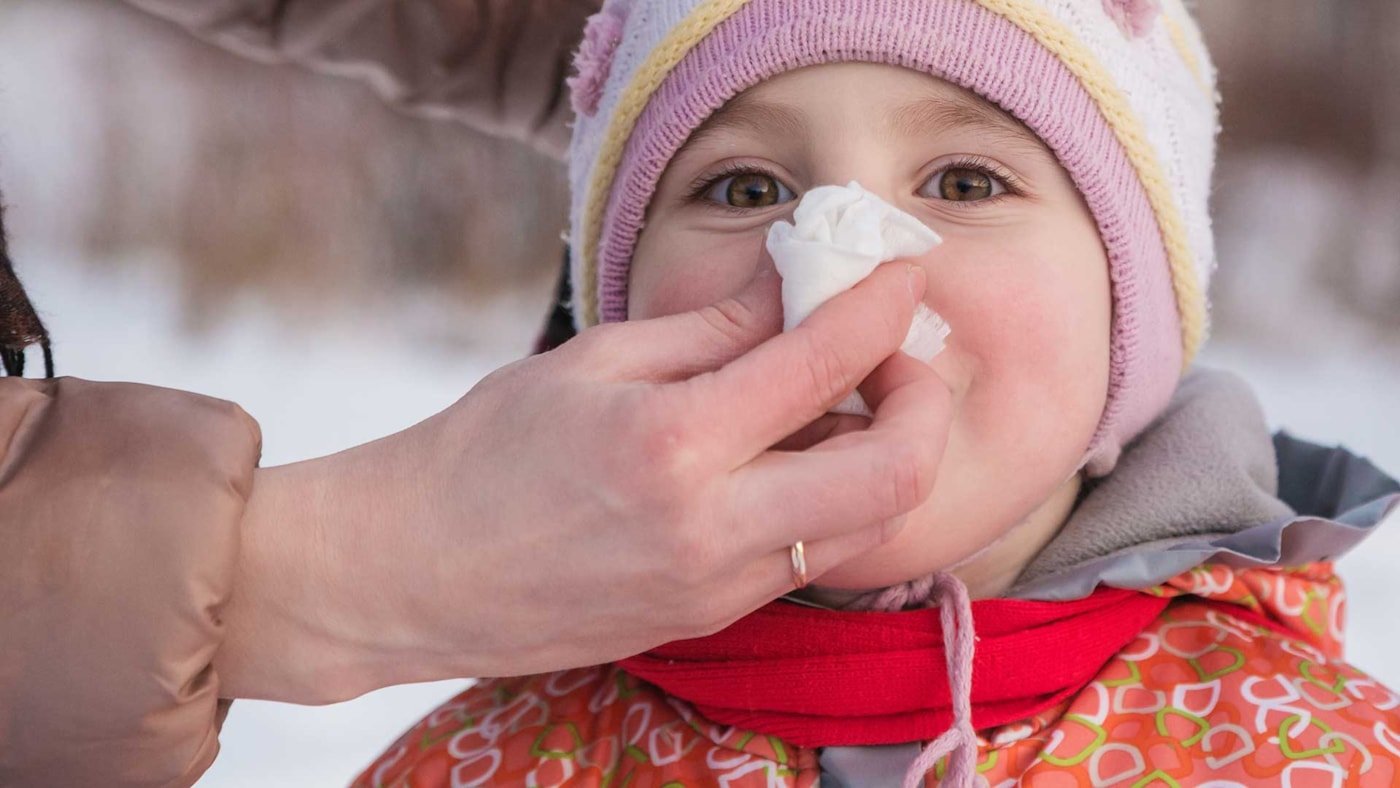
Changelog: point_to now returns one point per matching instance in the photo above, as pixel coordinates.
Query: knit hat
(1122, 91)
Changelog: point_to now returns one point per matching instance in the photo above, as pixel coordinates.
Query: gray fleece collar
(1207, 482)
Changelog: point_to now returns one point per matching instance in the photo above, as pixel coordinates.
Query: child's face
(1021, 277)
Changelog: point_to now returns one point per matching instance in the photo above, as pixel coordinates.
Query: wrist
(273, 645)
(319, 611)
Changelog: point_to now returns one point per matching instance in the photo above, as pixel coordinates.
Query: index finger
(792, 379)
(854, 480)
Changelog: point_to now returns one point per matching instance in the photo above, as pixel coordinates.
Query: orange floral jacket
(1208, 695)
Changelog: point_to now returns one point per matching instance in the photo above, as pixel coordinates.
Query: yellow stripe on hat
(1025, 14)
(1190, 297)
(649, 76)
(1183, 48)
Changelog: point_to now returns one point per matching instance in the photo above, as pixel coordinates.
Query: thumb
(681, 346)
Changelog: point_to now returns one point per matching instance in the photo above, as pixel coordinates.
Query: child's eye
(749, 190)
(963, 183)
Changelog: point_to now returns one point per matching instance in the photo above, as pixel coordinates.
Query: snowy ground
(323, 388)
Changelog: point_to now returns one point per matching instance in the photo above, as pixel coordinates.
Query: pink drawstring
(905, 596)
(961, 739)
(955, 612)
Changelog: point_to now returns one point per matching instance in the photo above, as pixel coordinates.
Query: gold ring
(799, 565)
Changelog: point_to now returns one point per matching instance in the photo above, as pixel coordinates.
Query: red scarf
(817, 677)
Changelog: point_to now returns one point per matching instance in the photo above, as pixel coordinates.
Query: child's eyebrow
(941, 115)
(921, 118)
(746, 113)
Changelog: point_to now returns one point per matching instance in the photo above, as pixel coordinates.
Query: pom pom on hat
(595, 56)
(1134, 17)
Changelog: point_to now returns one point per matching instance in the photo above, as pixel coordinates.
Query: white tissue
(841, 234)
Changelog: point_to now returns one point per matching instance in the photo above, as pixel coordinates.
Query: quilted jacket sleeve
(120, 507)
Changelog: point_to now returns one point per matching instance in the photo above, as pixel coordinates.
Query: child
(1155, 599)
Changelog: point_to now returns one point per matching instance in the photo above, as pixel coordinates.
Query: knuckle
(909, 475)
(728, 318)
(666, 454)
(825, 370)
(628, 457)
(656, 457)
(893, 324)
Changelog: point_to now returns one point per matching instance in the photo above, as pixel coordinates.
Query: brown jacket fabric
(119, 513)
(498, 65)
(120, 504)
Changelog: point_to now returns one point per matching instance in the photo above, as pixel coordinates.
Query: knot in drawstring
(959, 742)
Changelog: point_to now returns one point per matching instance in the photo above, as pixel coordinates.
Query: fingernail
(891, 528)
(918, 280)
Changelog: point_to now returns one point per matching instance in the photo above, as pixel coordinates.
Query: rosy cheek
(1032, 336)
(1000, 311)
(680, 273)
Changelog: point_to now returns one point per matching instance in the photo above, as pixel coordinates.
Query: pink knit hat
(1122, 91)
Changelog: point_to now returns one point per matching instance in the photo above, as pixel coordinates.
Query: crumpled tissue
(840, 235)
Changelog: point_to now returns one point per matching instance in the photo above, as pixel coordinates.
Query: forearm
(497, 65)
(321, 610)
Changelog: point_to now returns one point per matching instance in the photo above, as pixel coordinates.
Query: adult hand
(587, 504)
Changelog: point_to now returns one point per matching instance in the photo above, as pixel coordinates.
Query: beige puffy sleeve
(497, 65)
(119, 533)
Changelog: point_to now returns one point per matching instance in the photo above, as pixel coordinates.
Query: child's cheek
(681, 272)
(1005, 313)
(1032, 337)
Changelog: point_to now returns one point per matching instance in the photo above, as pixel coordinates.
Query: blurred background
(187, 218)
